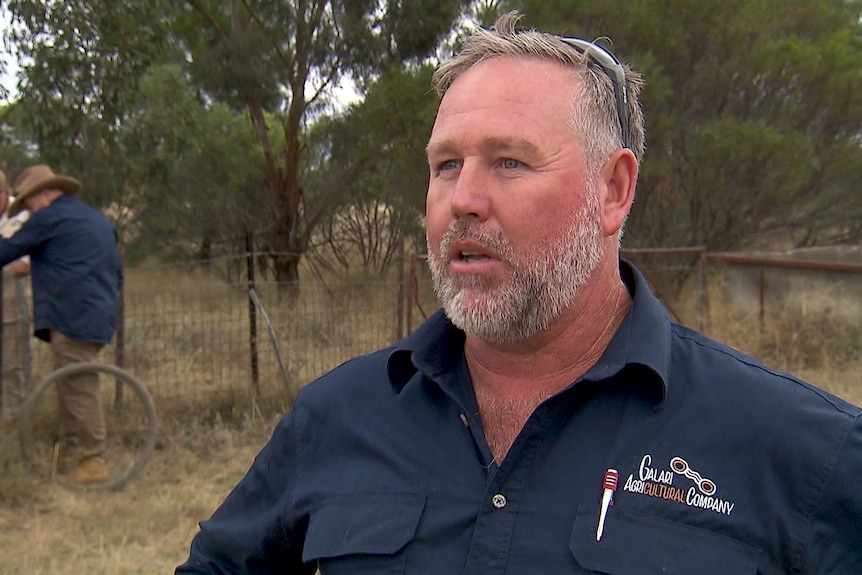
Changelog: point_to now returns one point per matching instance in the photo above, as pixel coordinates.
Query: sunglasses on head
(613, 68)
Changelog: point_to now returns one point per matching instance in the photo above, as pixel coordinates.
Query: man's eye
(509, 163)
(449, 165)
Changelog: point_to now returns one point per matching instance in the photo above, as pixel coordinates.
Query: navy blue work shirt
(725, 467)
(75, 270)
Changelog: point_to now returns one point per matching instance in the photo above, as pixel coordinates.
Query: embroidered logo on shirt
(659, 483)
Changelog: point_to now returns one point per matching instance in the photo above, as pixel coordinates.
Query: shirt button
(499, 501)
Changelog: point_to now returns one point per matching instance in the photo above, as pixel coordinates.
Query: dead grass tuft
(143, 529)
(822, 347)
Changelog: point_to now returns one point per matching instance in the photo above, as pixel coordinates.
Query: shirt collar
(433, 348)
(641, 343)
(643, 340)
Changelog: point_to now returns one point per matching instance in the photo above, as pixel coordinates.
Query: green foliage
(390, 126)
(15, 146)
(199, 122)
(286, 58)
(81, 64)
(232, 59)
(205, 171)
(194, 120)
(754, 115)
(416, 27)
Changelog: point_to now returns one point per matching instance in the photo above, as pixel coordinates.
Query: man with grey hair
(551, 418)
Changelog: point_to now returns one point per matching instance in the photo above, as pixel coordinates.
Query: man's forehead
(488, 143)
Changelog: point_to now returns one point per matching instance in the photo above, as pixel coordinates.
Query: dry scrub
(822, 348)
(143, 529)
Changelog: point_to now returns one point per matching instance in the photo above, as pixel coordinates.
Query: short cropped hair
(594, 112)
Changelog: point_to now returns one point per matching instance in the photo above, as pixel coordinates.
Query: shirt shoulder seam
(745, 359)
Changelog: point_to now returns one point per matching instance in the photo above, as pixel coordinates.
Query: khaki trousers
(82, 423)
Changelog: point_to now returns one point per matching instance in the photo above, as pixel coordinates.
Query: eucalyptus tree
(15, 147)
(276, 63)
(206, 191)
(81, 62)
(754, 115)
(387, 200)
(288, 58)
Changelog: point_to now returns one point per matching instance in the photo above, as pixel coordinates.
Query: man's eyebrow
(444, 148)
(493, 144)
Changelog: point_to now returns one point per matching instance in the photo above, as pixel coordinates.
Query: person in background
(551, 418)
(76, 279)
(15, 325)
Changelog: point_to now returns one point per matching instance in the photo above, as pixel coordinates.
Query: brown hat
(37, 178)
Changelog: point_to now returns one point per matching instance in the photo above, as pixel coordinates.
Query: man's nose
(472, 194)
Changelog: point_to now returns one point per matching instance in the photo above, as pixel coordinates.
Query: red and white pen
(609, 486)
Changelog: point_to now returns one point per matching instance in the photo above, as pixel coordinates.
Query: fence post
(704, 284)
(399, 319)
(411, 292)
(252, 314)
(762, 288)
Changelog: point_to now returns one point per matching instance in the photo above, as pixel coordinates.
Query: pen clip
(609, 486)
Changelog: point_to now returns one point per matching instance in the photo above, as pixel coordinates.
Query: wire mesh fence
(192, 337)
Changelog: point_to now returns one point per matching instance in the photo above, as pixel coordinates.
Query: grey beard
(539, 288)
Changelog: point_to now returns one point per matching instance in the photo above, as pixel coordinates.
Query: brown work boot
(89, 470)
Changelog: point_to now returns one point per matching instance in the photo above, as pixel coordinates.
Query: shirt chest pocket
(362, 534)
(636, 543)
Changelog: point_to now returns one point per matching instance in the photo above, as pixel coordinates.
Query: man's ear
(619, 178)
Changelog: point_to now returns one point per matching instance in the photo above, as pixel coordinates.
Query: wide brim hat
(37, 178)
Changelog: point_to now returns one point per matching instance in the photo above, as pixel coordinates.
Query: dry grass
(143, 529)
(823, 347)
(820, 348)
(147, 527)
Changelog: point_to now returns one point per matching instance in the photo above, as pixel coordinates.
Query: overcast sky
(7, 78)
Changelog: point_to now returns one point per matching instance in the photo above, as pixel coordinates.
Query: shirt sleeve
(8, 226)
(835, 537)
(257, 528)
(18, 244)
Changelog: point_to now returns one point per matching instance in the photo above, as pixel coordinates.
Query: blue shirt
(75, 270)
(725, 467)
